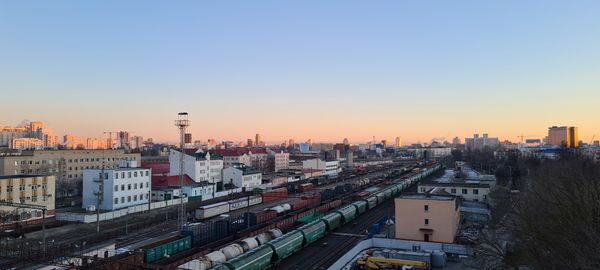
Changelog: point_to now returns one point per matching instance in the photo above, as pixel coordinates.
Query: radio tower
(182, 123)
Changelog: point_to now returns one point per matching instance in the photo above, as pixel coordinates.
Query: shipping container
(257, 259)
(306, 213)
(313, 231)
(332, 220)
(299, 204)
(156, 253)
(211, 210)
(238, 222)
(287, 245)
(324, 208)
(327, 194)
(287, 223)
(256, 199)
(335, 204)
(260, 217)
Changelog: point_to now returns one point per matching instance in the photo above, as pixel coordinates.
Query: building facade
(26, 189)
(121, 187)
(472, 192)
(479, 143)
(278, 160)
(432, 217)
(27, 144)
(66, 165)
(330, 168)
(243, 176)
(200, 166)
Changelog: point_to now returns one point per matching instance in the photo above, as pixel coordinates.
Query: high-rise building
(249, 143)
(398, 142)
(384, 143)
(346, 142)
(257, 139)
(478, 143)
(563, 136)
(456, 141)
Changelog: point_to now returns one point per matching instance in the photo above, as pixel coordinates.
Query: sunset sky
(324, 70)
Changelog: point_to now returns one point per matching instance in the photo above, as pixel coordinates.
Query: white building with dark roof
(241, 175)
(200, 166)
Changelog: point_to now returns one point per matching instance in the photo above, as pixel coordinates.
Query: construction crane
(369, 262)
(32, 206)
(110, 133)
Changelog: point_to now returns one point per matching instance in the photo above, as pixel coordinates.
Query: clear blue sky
(302, 69)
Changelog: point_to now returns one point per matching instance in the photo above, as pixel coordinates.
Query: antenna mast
(182, 123)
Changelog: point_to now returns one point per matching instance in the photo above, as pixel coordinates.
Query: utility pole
(182, 123)
(99, 196)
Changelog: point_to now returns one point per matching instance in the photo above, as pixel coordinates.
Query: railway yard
(144, 230)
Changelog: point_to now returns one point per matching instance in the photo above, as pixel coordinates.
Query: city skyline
(316, 70)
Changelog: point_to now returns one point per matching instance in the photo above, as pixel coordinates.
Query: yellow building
(26, 189)
(427, 217)
(66, 165)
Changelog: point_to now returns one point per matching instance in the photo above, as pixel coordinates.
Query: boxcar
(313, 231)
(287, 244)
(211, 210)
(332, 221)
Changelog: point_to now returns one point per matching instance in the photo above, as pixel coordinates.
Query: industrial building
(200, 166)
(468, 191)
(241, 175)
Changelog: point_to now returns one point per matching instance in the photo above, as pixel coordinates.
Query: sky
(325, 70)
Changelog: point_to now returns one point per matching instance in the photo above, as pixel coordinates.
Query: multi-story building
(66, 165)
(330, 168)
(200, 166)
(26, 189)
(121, 187)
(7, 134)
(479, 143)
(563, 136)
(241, 175)
(473, 192)
(27, 144)
(278, 160)
(433, 217)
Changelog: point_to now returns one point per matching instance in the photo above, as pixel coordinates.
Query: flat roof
(121, 169)
(426, 196)
(22, 176)
(454, 184)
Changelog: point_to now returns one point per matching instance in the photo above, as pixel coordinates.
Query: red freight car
(299, 204)
(323, 208)
(274, 195)
(312, 200)
(335, 204)
(264, 216)
(287, 223)
(306, 187)
(360, 195)
(306, 213)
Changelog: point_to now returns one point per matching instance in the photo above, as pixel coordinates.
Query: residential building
(200, 166)
(7, 134)
(433, 217)
(26, 189)
(66, 165)
(479, 143)
(278, 160)
(468, 191)
(430, 152)
(27, 144)
(330, 168)
(241, 175)
(563, 136)
(257, 141)
(121, 187)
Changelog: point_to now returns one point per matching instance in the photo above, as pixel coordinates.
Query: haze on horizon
(311, 69)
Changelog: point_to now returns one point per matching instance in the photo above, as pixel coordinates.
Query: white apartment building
(200, 166)
(242, 176)
(122, 187)
(330, 168)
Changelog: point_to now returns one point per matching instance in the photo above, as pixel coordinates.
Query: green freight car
(361, 206)
(332, 221)
(372, 201)
(156, 253)
(287, 244)
(348, 213)
(313, 231)
(256, 259)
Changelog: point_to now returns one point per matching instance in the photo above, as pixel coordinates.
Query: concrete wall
(443, 217)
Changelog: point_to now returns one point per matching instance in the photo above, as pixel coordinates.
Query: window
(122, 199)
(134, 198)
(129, 175)
(116, 200)
(116, 187)
(122, 187)
(426, 208)
(134, 174)
(475, 191)
(128, 198)
(423, 190)
(453, 191)
(464, 191)
(135, 186)
(147, 183)
(426, 221)
(9, 189)
(146, 196)
(128, 186)
(147, 173)
(123, 175)
(116, 175)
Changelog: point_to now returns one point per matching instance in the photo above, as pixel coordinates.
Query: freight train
(264, 255)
